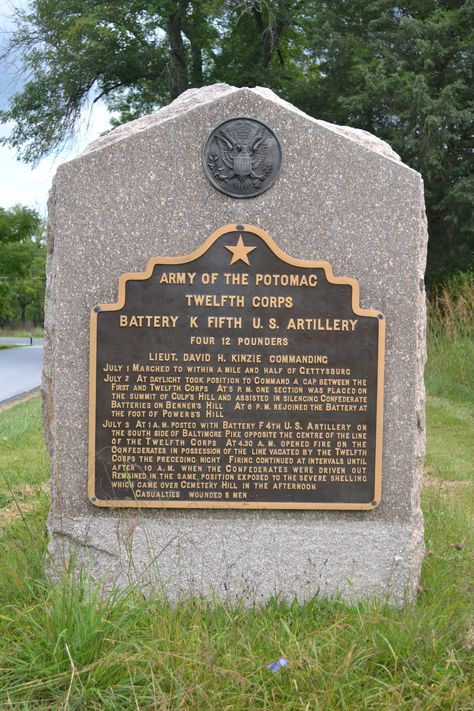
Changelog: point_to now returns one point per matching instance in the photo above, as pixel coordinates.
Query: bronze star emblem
(240, 252)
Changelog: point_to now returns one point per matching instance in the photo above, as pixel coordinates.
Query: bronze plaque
(236, 376)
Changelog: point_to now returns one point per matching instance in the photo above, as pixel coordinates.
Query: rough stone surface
(342, 196)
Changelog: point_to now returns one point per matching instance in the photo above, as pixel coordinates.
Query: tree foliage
(136, 54)
(404, 72)
(22, 266)
(400, 70)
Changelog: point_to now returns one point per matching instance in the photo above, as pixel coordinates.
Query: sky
(19, 183)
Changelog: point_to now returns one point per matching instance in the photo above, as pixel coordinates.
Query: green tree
(136, 55)
(22, 266)
(400, 70)
(404, 72)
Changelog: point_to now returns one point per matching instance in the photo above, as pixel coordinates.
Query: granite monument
(235, 342)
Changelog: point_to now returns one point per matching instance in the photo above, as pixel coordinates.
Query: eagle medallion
(242, 157)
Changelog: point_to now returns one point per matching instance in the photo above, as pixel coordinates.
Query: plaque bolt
(97, 309)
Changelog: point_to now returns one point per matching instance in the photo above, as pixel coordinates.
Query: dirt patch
(443, 486)
(469, 638)
(11, 513)
(451, 491)
(31, 489)
(20, 506)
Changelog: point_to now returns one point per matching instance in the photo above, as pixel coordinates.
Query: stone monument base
(248, 559)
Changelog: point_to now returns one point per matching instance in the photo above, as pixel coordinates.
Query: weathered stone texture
(343, 196)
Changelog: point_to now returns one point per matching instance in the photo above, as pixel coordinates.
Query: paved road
(20, 370)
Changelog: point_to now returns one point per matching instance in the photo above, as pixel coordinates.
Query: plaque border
(185, 259)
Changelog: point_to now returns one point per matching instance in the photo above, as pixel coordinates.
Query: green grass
(450, 367)
(67, 648)
(24, 463)
(4, 347)
(450, 450)
(35, 331)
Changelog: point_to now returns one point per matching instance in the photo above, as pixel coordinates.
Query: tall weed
(450, 367)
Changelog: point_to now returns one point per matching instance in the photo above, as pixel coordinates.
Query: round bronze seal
(242, 157)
